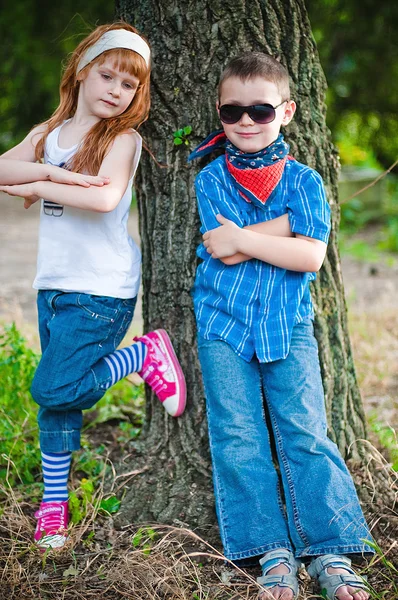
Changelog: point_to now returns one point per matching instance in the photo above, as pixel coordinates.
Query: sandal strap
(280, 556)
(331, 583)
(318, 565)
(287, 581)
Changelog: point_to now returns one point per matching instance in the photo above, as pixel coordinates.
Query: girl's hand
(24, 190)
(222, 241)
(59, 175)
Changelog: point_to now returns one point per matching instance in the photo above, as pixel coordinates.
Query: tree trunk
(191, 42)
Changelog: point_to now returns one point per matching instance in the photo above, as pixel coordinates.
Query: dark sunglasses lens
(262, 113)
(230, 114)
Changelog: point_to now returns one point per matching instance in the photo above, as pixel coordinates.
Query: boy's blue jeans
(76, 332)
(320, 513)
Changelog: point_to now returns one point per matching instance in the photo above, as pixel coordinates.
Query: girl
(88, 267)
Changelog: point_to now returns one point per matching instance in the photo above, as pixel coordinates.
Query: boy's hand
(222, 241)
(59, 175)
(24, 190)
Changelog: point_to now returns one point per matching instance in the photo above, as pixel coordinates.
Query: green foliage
(389, 574)
(387, 437)
(357, 214)
(389, 235)
(181, 136)
(34, 45)
(20, 462)
(353, 148)
(359, 249)
(110, 505)
(79, 500)
(19, 453)
(144, 539)
(122, 402)
(378, 205)
(359, 59)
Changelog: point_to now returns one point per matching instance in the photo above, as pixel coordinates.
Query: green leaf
(137, 538)
(111, 505)
(177, 141)
(187, 130)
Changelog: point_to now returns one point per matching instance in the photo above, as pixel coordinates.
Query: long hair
(98, 140)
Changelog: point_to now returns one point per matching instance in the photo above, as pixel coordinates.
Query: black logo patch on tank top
(52, 209)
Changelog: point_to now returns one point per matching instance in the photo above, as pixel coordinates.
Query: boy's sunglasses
(259, 113)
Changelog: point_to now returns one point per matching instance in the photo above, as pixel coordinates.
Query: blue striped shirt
(253, 306)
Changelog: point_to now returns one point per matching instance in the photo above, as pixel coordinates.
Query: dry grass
(99, 562)
(160, 562)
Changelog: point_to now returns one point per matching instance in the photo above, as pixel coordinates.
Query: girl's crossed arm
(19, 166)
(99, 199)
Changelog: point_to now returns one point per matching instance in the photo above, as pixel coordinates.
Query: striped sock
(125, 361)
(55, 473)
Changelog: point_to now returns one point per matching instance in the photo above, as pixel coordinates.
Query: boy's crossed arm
(274, 227)
(300, 253)
(296, 241)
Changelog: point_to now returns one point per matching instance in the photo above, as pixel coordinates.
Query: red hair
(98, 140)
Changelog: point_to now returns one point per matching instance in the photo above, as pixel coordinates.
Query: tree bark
(191, 42)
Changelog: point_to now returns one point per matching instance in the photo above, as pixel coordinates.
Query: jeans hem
(363, 549)
(60, 441)
(260, 550)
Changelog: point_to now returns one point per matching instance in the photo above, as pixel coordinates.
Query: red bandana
(256, 174)
(260, 182)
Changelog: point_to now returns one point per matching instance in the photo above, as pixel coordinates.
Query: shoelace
(159, 356)
(52, 521)
(156, 382)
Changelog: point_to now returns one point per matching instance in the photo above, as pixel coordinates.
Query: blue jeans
(319, 512)
(76, 332)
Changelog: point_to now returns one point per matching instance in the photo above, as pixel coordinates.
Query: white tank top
(85, 251)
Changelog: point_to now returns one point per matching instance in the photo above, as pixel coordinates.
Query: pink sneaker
(52, 523)
(162, 371)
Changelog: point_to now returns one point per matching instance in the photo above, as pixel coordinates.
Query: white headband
(115, 38)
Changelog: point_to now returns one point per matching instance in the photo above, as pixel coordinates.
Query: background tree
(191, 42)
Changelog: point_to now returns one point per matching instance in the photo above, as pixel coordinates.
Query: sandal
(273, 559)
(329, 582)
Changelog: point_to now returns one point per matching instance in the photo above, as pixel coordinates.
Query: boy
(266, 224)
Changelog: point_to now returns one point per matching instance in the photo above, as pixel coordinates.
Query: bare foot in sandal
(347, 592)
(279, 569)
(337, 578)
(280, 593)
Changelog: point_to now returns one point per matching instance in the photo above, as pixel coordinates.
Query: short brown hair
(257, 64)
